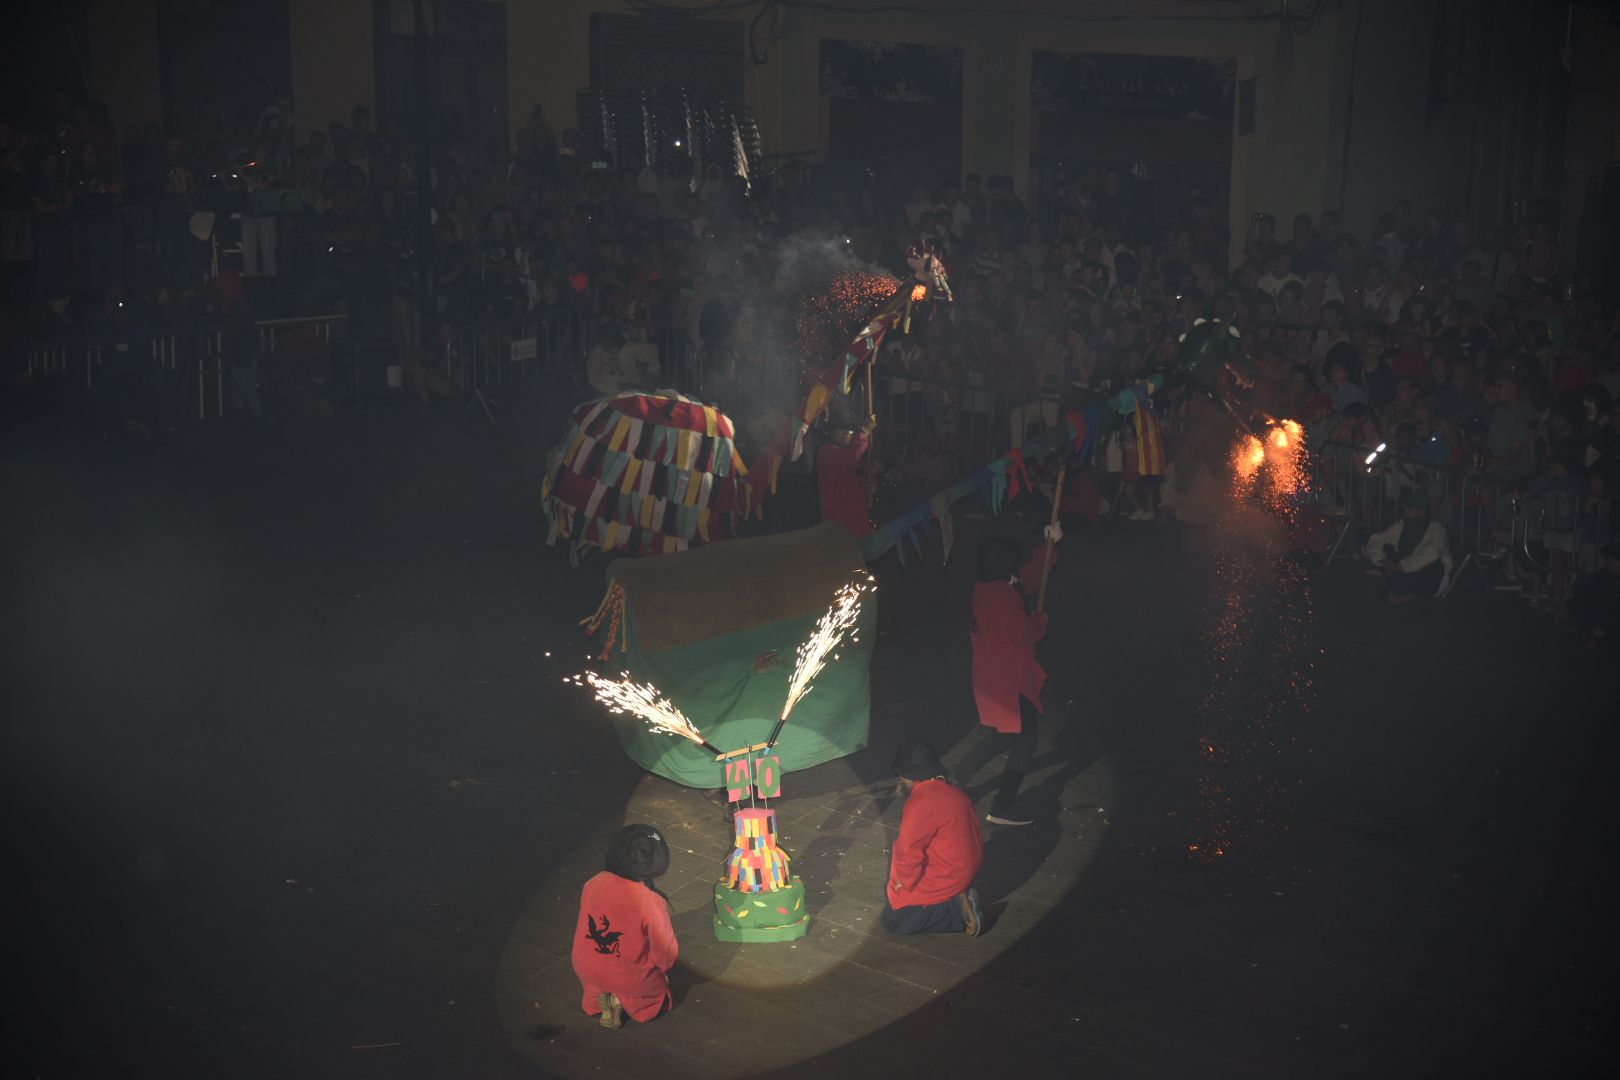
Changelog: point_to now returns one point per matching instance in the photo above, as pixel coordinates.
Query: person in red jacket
(624, 944)
(1007, 678)
(937, 854)
(841, 472)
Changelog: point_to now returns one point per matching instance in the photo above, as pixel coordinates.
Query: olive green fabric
(724, 588)
(732, 680)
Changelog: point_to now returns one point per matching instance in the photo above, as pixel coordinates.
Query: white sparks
(642, 700)
(831, 630)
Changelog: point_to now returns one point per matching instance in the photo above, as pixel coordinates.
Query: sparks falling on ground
(826, 319)
(1257, 648)
(831, 629)
(642, 700)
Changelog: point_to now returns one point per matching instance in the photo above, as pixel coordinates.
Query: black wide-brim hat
(638, 852)
(918, 761)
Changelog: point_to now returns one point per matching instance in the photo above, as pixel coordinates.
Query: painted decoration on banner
(891, 71)
(1118, 84)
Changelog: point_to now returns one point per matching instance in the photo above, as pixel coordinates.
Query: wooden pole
(871, 436)
(1057, 508)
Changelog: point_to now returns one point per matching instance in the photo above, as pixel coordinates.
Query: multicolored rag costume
(760, 899)
(646, 474)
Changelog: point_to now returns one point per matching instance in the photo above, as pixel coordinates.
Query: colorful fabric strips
(757, 864)
(840, 375)
(646, 474)
(1007, 476)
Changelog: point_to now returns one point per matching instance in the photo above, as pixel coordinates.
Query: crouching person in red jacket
(624, 944)
(937, 855)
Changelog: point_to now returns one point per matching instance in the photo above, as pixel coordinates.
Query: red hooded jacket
(939, 850)
(624, 945)
(1004, 664)
(841, 483)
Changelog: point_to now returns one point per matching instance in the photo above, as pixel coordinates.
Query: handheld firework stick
(834, 626)
(1051, 545)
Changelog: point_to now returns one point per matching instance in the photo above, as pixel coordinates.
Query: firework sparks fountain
(645, 701)
(834, 626)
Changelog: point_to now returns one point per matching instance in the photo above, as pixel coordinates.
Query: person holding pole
(1007, 677)
(840, 463)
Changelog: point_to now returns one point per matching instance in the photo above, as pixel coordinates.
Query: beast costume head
(1205, 349)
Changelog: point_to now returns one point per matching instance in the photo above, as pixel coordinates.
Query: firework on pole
(645, 702)
(832, 629)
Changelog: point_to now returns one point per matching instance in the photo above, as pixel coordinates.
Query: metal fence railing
(1545, 525)
(964, 416)
(540, 345)
(200, 351)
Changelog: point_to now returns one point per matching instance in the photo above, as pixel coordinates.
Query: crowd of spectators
(1452, 343)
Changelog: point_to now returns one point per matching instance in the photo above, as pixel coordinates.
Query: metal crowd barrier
(201, 349)
(63, 357)
(1553, 525)
(1362, 488)
(549, 344)
(964, 416)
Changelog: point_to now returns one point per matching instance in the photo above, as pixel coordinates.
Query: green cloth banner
(733, 691)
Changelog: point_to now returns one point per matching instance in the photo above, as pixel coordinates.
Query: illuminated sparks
(1248, 454)
(642, 700)
(836, 624)
(1257, 647)
(828, 318)
(1287, 469)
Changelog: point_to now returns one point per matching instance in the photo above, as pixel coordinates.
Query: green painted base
(791, 932)
(771, 916)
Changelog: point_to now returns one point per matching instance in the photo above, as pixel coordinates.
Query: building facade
(1283, 106)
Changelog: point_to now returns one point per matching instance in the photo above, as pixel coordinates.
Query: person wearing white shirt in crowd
(613, 366)
(1381, 299)
(1033, 250)
(1111, 247)
(1413, 553)
(1332, 330)
(962, 213)
(1279, 272)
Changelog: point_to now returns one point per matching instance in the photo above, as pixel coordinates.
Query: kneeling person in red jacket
(624, 944)
(937, 855)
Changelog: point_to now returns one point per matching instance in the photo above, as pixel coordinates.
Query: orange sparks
(1281, 453)
(1288, 471)
(1247, 457)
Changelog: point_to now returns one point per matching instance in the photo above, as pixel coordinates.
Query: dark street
(297, 790)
